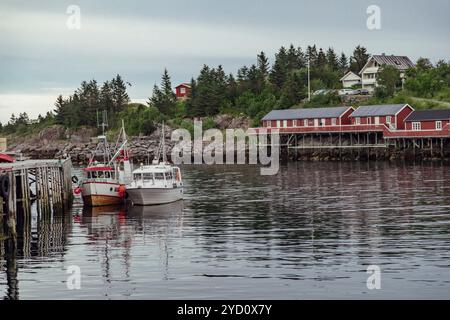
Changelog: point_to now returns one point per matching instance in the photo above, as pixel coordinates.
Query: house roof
(378, 110)
(311, 113)
(402, 63)
(350, 73)
(425, 115)
(6, 158)
(185, 84)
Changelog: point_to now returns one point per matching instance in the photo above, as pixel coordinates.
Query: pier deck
(46, 181)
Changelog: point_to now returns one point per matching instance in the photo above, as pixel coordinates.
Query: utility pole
(309, 79)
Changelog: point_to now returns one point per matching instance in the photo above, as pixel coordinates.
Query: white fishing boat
(104, 183)
(157, 183)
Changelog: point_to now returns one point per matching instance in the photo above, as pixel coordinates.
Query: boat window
(148, 176)
(89, 175)
(100, 174)
(94, 174)
(159, 176)
(169, 175)
(137, 176)
(113, 174)
(107, 174)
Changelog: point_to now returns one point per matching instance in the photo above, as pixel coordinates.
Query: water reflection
(308, 232)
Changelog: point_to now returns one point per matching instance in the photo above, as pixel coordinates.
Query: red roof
(98, 169)
(6, 158)
(184, 85)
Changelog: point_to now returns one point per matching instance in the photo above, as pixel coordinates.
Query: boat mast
(163, 143)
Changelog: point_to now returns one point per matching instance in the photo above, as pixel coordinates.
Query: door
(377, 120)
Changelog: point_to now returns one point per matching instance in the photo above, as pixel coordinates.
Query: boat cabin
(100, 173)
(157, 174)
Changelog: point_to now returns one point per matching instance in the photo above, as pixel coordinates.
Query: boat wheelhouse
(155, 184)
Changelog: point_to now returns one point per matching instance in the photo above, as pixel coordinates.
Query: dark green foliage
(164, 98)
(428, 81)
(388, 80)
(208, 92)
(140, 119)
(359, 59)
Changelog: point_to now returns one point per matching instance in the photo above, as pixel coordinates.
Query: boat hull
(154, 196)
(101, 200)
(96, 194)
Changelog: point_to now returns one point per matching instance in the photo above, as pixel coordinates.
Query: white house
(370, 70)
(350, 79)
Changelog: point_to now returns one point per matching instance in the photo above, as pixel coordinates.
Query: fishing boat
(158, 183)
(103, 183)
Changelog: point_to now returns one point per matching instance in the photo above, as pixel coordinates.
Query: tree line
(253, 91)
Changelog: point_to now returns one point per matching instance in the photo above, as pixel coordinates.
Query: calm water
(309, 232)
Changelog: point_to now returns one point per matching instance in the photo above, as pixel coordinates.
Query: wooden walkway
(48, 182)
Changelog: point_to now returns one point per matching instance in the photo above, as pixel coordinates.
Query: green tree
(359, 59)
(163, 99)
(343, 63)
(389, 79)
(279, 72)
(332, 59)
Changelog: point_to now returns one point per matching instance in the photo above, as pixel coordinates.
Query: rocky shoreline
(59, 142)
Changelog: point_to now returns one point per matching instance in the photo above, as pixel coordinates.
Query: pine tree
(279, 70)
(332, 59)
(343, 63)
(311, 55)
(321, 59)
(120, 95)
(263, 65)
(359, 59)
(163, 99)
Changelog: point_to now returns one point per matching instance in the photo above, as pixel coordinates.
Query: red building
(182, 90)
(427, 120)
(391, 115)
(303, 118)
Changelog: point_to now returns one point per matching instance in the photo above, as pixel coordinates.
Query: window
(182, 90)
(438, 125)
(388, 119)
(284, 123)
(278, 124)
(100, 174)
(159, 176)
(323, 122)
(169, 175)
(316, 122)
(137, 176)
(333, 121)
(148, 176)
(305, 122)
(89, 175)
(94, 174)
(357, 120)
(416, 125)
(107, 174)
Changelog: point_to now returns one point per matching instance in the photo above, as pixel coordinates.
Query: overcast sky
(40, 57)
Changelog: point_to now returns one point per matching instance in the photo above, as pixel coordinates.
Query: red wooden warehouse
(304, 118)
(428, 120)
(391, 115)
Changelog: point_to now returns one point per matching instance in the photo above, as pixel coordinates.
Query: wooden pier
(47, 182)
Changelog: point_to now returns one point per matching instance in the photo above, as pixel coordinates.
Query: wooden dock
(47, 182)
